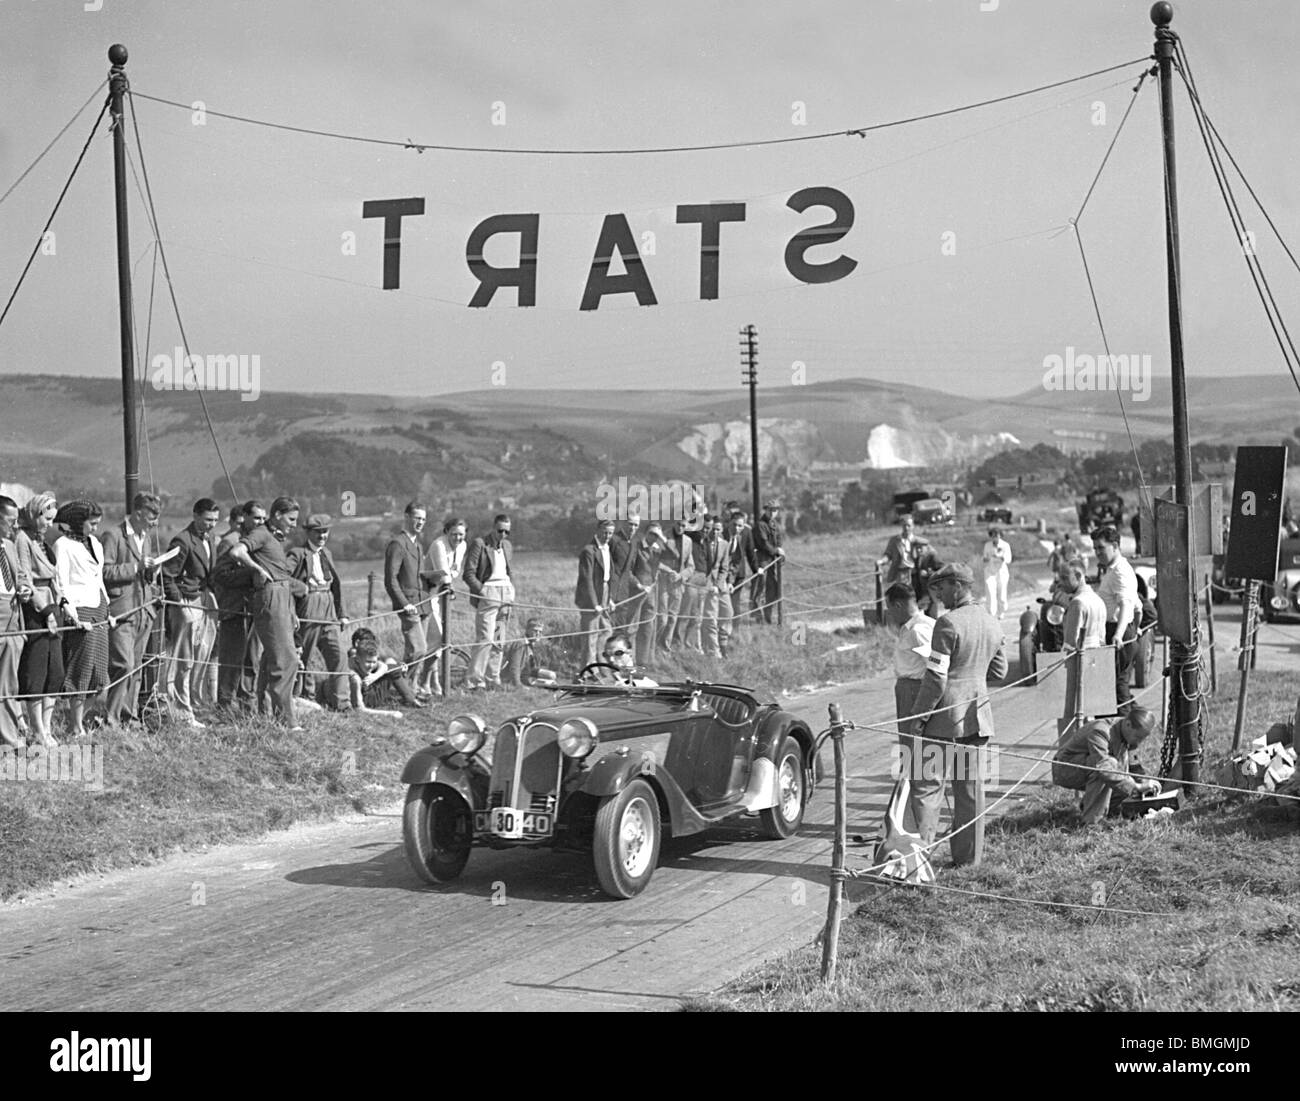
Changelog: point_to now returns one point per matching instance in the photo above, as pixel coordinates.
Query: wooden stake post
(835, 902)
(444, 659)
(1245, 656)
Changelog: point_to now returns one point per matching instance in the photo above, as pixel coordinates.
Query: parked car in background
(609, 769)
(996, 516)
(1100, 508)
(1281, 599)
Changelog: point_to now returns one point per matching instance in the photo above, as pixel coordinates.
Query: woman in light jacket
(79, 566)
(40, 669)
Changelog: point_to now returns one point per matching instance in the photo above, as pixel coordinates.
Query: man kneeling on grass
(376, 682)
(1104, 745)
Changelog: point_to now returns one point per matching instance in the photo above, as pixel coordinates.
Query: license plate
(512, 824)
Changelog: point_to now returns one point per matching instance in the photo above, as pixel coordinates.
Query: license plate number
(512, 824)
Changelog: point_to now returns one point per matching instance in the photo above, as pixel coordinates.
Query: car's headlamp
(577, 737)
(1055, 615)
(1279, 602)
(467, 733)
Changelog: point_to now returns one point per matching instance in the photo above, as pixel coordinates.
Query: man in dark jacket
(191, 611)
(632, 589)
(402, 560)
(320, 613)
(492, 594)
(592, 593)
(238, 652)
(965, 650)
(765, 590)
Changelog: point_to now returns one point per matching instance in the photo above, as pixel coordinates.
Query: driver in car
(618, 653)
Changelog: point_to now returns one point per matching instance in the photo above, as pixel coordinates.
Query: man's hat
(318, 521)
(955, 571)
(772, 504)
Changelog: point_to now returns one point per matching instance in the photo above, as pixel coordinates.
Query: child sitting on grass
(376, 681)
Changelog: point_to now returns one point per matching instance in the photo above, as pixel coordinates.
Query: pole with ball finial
(1184, 656)
(117, 86)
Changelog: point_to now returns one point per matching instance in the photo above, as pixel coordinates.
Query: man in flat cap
(965, 651)
(1093, 759)
(320, 612)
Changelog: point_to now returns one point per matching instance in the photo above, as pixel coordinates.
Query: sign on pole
(1257, 498)
(1207, 517)
(1174, 581)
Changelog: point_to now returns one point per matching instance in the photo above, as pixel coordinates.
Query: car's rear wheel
(784, 819)
(626, 841)
(437, 829)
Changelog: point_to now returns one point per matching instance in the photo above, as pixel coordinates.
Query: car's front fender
(613, 772)
(441, 764)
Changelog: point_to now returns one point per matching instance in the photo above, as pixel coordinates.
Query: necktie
(6, 570)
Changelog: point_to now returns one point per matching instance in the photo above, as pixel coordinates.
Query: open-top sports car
(610, 770)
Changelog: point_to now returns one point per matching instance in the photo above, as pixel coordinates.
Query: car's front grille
(525, 768)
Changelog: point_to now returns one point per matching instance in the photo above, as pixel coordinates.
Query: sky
(968, 275)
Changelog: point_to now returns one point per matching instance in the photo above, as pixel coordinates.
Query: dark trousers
(273, 621)
(764, 591)
(236, 673)
(1124, 656)
(323, 637)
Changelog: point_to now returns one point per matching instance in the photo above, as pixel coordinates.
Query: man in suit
(695, 596)
(492, 593)
(445, 563)
(716, 613)
(320, 613)
(744, 561)
(592, 595)
(965, 651)
(191, 611)
(15, 590)
(765, 590)
(130, 576)
(238, 652)
(674, 569)
(633, 584)
(402, 560)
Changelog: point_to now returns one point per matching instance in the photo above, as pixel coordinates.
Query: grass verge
(1217, 887)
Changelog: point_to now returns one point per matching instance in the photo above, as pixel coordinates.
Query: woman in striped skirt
(79, 566)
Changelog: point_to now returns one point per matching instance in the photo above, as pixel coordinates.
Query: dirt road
(330, 917)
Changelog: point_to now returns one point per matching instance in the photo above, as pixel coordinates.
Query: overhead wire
(1262, 289)
(1092, 290)
(40, 237)
(171, 289)
(857, 131)
(53, 142)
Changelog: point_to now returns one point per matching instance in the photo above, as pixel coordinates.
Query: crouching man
(1104, 745)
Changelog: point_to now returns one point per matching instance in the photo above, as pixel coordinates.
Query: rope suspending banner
(857, 131)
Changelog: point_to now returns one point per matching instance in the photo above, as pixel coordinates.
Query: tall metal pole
(1185, 658)
(117, 89)
(749, 376)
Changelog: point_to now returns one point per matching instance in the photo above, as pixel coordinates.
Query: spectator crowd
(252, 619)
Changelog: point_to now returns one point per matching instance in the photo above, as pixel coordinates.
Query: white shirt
(80, 571)
(1086, 613)
(604, 563)
(912, 646)
(1119, 592)
(997, 556)
(498, 564)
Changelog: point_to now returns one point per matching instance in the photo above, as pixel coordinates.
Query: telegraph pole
(117, 89)
(1185, 658)
(749, 377)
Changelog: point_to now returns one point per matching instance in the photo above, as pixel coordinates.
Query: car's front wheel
(437, 829)
(784, 819)
(626, 842)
